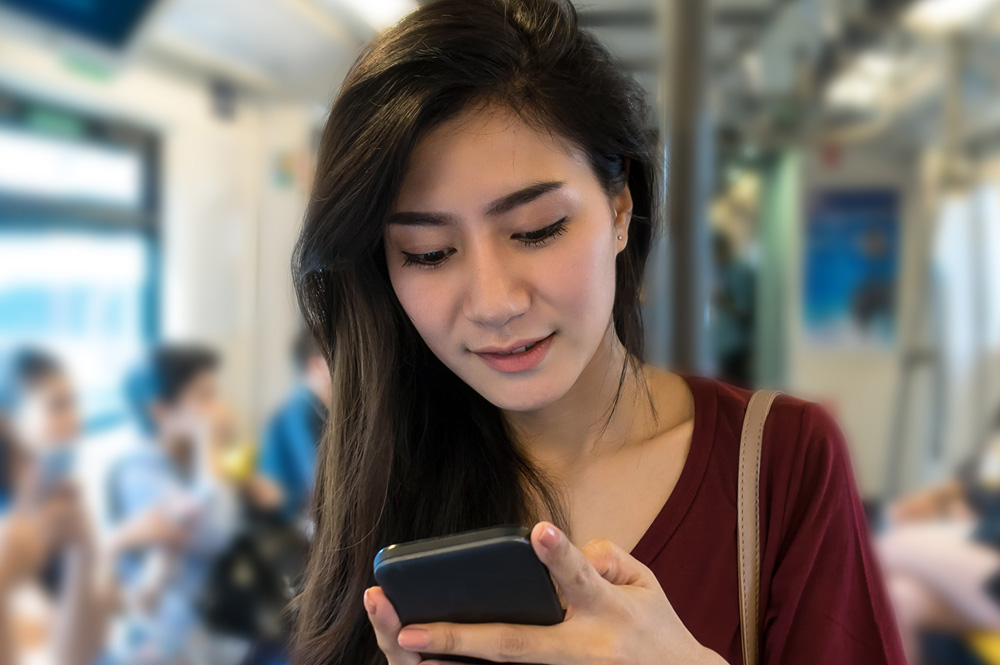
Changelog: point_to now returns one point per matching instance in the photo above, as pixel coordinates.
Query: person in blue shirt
(173, 517)
(733, 313)
(288, 450)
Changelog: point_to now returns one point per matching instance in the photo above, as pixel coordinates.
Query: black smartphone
(485, 576)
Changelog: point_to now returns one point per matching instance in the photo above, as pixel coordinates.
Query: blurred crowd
(206, 533)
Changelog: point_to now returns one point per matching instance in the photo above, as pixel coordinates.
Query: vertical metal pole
(656, 301)
(689, 178)
(923, 337)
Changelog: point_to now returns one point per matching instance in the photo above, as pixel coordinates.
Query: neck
(575, 429)
(320, 389)
(179, 451)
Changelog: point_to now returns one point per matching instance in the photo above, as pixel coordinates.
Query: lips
(519, 346)
(518, 350)
(521, 357)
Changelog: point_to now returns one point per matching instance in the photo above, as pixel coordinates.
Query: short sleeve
(827, 602)
(274, 463)
(140, 481)
(271, 461)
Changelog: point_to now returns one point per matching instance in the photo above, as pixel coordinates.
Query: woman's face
(502, 236)
(47, 417)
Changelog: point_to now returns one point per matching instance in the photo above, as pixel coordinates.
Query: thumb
(615, 564)
(576, 578)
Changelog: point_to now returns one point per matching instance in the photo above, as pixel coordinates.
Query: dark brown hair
(21, 372)
(411, 451)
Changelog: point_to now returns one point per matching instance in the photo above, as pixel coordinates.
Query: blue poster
(851, 265)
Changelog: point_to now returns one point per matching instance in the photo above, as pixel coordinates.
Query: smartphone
(485, 576)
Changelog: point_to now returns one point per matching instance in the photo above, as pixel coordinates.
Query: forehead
(482, 154)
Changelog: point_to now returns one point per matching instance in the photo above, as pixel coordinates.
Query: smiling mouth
(511, 352)
(519, 359)
(519, 350)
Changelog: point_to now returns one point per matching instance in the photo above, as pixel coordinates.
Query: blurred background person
(51, 600)
(733, 311)
(195, 588)
(940, 548)
(173, 518)
(288, 450)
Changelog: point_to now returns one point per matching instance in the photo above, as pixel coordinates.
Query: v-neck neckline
(677, 504)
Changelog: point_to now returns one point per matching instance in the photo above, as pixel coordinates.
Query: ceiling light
(380, 14)
(940, 16)
(853, 90)
(876, 65)
(863, 83)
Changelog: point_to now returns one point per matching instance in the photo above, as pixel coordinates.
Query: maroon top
(822, 596)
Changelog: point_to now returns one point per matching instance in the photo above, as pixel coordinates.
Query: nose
(495, 294)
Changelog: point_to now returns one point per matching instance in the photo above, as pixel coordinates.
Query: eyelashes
(542, 236)
(427, 260)
(535, 238)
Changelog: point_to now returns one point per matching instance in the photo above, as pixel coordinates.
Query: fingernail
(549, 537)
(370, 606)
(414, 638)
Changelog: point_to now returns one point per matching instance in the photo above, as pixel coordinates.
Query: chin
(524, 395)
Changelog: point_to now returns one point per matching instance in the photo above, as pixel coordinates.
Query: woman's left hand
(616, 613)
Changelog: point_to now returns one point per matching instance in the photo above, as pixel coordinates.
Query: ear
(621, 205)
(316, 365)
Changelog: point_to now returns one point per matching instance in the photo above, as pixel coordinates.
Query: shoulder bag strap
(748, 515)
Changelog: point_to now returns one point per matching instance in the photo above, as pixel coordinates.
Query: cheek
(579, 279)
(68, 423)
(428, 300)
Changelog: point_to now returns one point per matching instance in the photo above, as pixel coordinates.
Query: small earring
(619, 237)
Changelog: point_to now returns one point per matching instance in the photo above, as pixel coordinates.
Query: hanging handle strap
(748, 515)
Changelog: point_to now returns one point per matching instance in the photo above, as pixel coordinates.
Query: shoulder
(138, 465)
(298, 405)
(277, 424)
(141, 453)
(798, 434)
(806, 470)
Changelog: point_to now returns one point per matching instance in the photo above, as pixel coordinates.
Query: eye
(542, 236)
(428, 259)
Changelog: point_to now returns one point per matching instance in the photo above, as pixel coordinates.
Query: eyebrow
(502, 205)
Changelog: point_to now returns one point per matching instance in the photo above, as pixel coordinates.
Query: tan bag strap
(748, 514)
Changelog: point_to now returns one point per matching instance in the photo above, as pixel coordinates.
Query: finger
(578, 581)
(615, 564)
(498, 642)
(385, 621)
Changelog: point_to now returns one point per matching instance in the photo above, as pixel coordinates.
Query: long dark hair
(411, 451)
(20, 372)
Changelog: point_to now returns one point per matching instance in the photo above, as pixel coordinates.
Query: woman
(471, 261)
(47, 551)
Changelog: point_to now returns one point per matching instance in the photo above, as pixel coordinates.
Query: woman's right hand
(386, 623)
